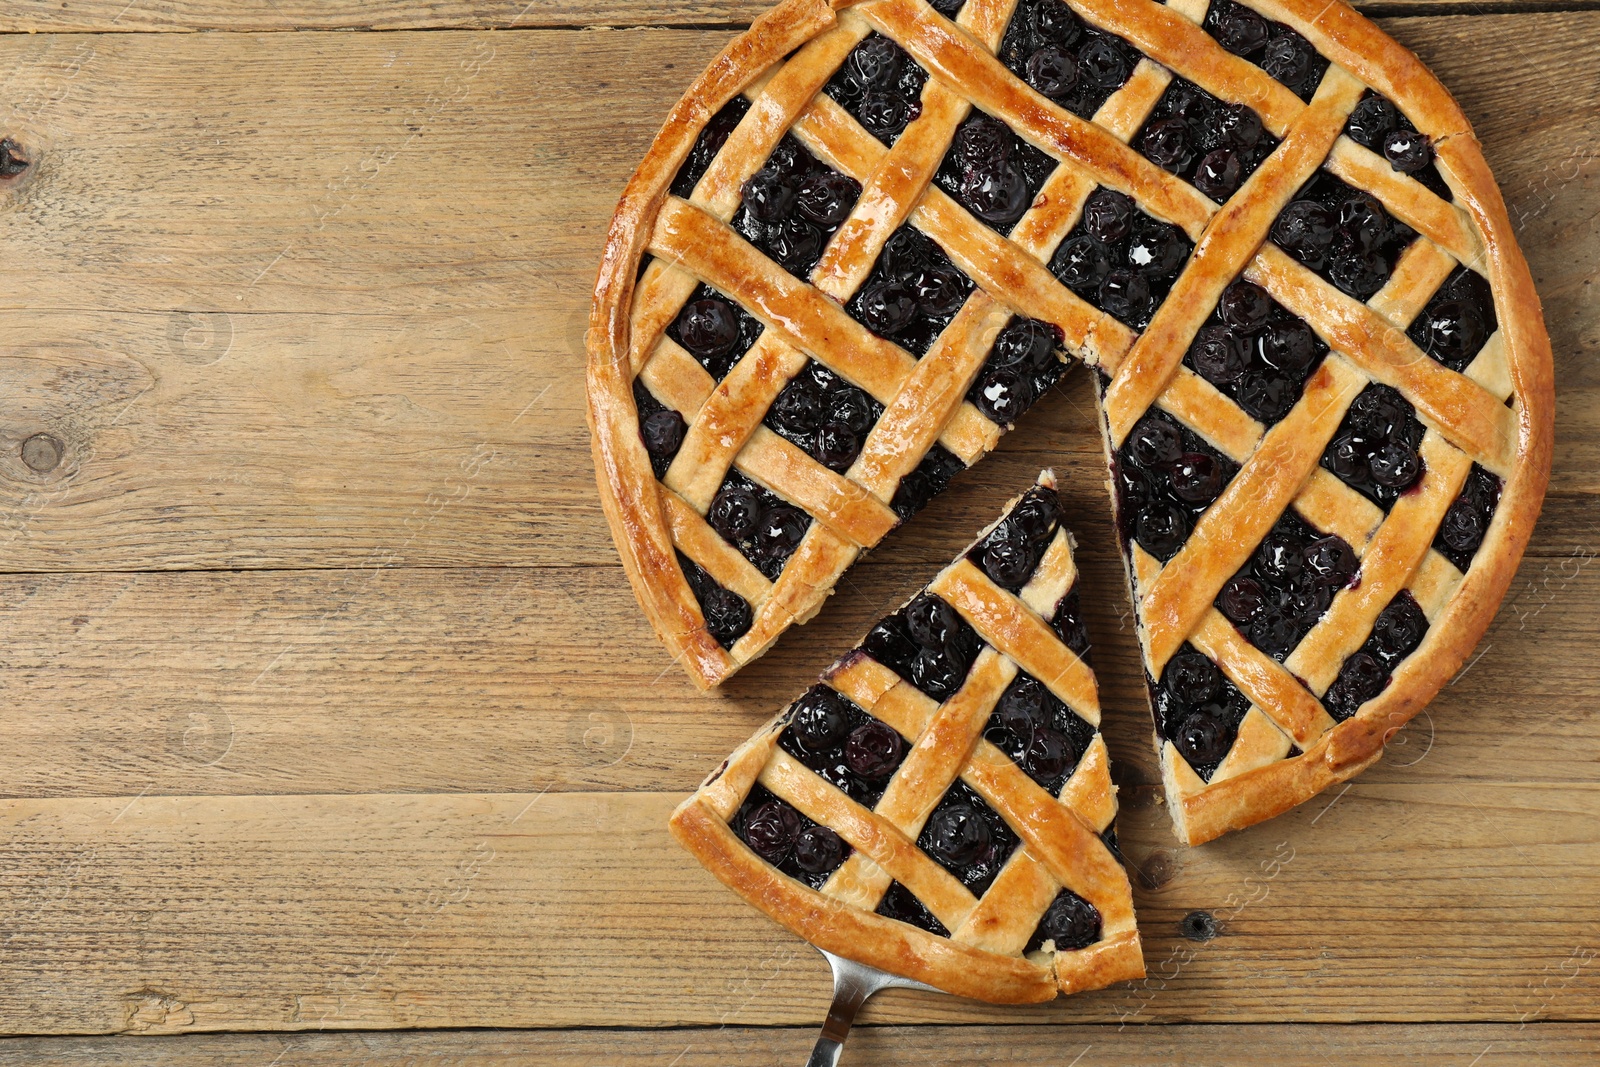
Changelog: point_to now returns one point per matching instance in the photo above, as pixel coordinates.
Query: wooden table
(332, 727)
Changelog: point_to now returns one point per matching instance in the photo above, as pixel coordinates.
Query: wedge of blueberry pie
(939, 806)
(870, 233)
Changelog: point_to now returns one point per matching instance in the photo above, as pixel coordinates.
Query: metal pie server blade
(853, 983)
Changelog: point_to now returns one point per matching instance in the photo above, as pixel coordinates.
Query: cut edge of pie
(901, 864)
(1494, 416)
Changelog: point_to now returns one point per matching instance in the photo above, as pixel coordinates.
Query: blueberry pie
(939, 806)
(858, 248)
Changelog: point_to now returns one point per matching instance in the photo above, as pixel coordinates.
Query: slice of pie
(848, 260)
(940, 806)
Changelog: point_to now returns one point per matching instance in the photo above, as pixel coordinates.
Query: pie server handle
(853, 983)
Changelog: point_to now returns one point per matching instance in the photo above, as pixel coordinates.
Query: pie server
(853, 983)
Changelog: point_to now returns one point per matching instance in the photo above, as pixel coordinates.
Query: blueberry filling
(1108, 837)
(1119, 259)
(927, 643)
(1377, 124)
(727, 614)
(968, 838)
(660, 427)
(1066, 60)
(847, 747)
(777, 832)
(1068, 624)
(912, 293)
(1272, 46)
(792, 205)
(763, 527)
(1011, 551)
(992, 172)
(1398, 631)
(926, 481)
(1287, 584)
(824, 415)
(1198, 709)
(1021, 368)
(1343, 234)
(715, 330)
(1457, 320)
(1166, 477)
(1211, 144)
(1467, 520)
(1070, 921)
(899, 903)
(881, 86)
(1038, 732)
(1256, 352)
(712, 137)
(1375, 451)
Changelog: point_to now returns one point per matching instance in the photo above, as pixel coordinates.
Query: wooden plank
(444, 680)
(337, 316)
(1398, 901)
(45, 16)
(1555, 1044)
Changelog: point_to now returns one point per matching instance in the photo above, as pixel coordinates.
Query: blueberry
(1107, 215)
(982, 141)
(1054, 72)
(1036, 516)
(1242, 600)
(1372, 120)
(770, 830)
(1244, 305)
(1008, 558)
(1133, 487)
(932, 622)
(889, 644)
(1288, 59)
(1102, 64)
(1395, 465)
(663, 433)
(1363, 225)
(936, 674)
(1126, 295)
(957, 835)
(1288, 346)
(1192, 678)
(1330, 561)
(1456, 330)
(1407, 151)
(727, 615)
(1070, 921)
(819, 721)
(1161, 529)
(1155, 442)
(1026, 344)
(876, 62)
(873, 751)
(827, 197)
(1165, 142)
(1361, 678)
(997, 193)
(1359, 275)
(781, 528)
(1082, 263)
(735, 513)
(1157, 249)
(1218, 174)
(1242, 31)
(1002, 395)
(1305, 227)
(1275, 631)
(1200, 740)
(940, 292)
(818, 850)
(1463, 527)
(1196, 479)
(1378, 412)
(888, 307)
(798, 408)
(837, 447)
(1279, 557)
(1398, 630)
(1021, 708)
(1057, 23)
(1239, 126)
(1048, 756)
(1267, 396)
(708, 328)
(1218, 354)
(1347, 457)
(769, 194)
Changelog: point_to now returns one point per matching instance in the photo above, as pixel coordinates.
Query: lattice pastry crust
(908, 897)
(1310, 707)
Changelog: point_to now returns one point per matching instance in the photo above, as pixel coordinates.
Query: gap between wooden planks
(316, 300)
(282, 292)
(1420, 1045)
(160, 914)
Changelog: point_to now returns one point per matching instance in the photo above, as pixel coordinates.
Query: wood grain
(120, 16)
(256, 355)
(1554, 1044)
(485, 680)
(1395, 901)
(328, 707)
